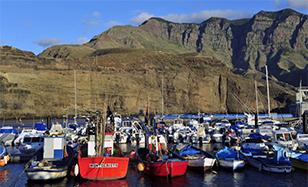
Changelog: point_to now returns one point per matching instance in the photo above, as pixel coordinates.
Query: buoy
(76, 170)
(140, 167)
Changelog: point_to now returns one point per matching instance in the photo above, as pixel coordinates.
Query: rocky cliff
(129, 80)
(277, 39)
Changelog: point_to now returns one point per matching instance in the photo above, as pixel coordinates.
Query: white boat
(183, 135)
(217, 137)
(31, 144)
(26, 146)
(7, 135)
(284, 138)
(55, 162)
(274, 162)
(42, 172)
(24, 132)
(197, 158)
(232, 164)
(265, 130)
(302, 140)
(231, 159)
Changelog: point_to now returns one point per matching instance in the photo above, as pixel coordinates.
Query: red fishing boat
(98, 160)
(156, 161)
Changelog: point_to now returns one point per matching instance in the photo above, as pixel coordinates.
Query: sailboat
(98, 159)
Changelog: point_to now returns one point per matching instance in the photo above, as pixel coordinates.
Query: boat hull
(165, 169)
(201, 164)
(46, 174)
(257, 163)
(103, 168)
(299, 164)
(232, 164)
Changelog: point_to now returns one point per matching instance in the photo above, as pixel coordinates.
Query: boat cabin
(284, 138)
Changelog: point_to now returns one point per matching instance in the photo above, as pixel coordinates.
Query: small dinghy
(53, 163)
(275, 162)
(197, 158)
(156, 161)
(230, 158)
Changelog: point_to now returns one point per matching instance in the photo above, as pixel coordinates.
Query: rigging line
(242, 103)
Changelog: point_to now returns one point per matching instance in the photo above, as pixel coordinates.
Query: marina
(154, 93)
(234, 157)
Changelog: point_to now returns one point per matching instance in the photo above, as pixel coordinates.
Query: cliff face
(277, 39)
(129, 80)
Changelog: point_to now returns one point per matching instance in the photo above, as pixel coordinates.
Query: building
(301, 104)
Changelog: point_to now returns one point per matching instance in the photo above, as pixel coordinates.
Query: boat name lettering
(105, 165)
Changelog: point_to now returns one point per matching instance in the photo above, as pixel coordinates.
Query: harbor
(154, 93)
(184, 135)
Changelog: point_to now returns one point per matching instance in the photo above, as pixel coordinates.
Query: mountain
(207, 67)
(277, 39)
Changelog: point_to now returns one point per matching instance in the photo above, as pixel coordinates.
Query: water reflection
(162, 181)
(4, 173)
(117, 183)
(209, 177)
(52, 183)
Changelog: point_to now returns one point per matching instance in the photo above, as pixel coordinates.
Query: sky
(34, 25)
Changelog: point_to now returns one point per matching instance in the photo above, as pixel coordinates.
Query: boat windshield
(27, 139)
(280, 137)
(36, 139)
(287, 137)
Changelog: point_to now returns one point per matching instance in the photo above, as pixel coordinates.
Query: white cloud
(82, 40)
(46, 42)
(196, 17)
(141, 17)
(112, 23)
(298, 3)
(204, 15)
(96, 14)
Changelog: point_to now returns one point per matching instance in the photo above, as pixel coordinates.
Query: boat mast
(268, 96)
(95, 102)
(75, 90)
(300, 100)
(102, 122)
(257, 102)
(162, 96)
